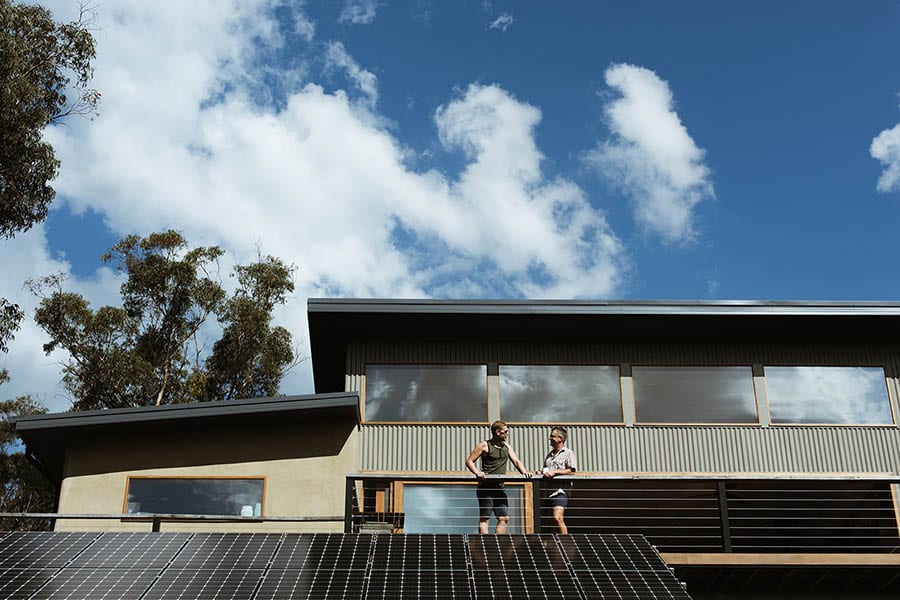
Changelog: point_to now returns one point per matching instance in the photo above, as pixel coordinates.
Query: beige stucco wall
(304, 466)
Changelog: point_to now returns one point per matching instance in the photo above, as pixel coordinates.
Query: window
(828, 395)
(694, 395)
(195, 496)
(448, 393)
(435, 508)
(568, 394)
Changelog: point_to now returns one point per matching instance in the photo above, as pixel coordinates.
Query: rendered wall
(304, 466)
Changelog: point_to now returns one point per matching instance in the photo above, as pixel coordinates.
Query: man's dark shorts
(559, 500)
(492, 498)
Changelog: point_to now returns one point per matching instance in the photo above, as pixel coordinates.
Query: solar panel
(313, 566)
(520, 566)
(515, 552)
(611, 552)
(21, 583)
(334, 551)
(312, 584)
(203, 584)
(97, 584)
(40, 549)
(644, 585)
(439, 552)
(227, 550)
(418, 584)
(132, 549)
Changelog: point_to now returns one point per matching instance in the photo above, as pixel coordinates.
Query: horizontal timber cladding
(774, 354)
(647, 449)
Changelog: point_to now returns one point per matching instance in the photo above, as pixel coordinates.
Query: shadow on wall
(188, 448)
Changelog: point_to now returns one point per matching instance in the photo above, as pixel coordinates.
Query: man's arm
(515, 460)
(476, 453)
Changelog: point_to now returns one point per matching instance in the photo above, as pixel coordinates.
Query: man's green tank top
(494, 462)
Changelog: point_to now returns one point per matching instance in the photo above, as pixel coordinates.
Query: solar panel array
(257, 566)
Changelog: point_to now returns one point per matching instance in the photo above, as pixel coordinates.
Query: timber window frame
(257, 501)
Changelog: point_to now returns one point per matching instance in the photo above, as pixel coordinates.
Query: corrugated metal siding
(443, 448)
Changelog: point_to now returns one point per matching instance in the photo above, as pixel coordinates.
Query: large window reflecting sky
(819, 395)
(570, 394)
(446, 393)
(694, 395)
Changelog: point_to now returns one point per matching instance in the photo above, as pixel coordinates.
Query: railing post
(536, 504)
(723, 513)
(348, 504)
(155, 526)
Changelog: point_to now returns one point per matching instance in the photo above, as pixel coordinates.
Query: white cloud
(303, 25)
(502, 22)
(651, 156)
(886, 149)
(358, 12)
(183, 142)
(336, 57)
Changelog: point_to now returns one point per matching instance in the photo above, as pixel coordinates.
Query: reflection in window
(694, 395)
(852, 395)
(453, 393)
(569, 394)
(453, 509)
(202, 496)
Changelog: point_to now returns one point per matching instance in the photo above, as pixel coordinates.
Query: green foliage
(10, 316)
(23, 488)
(39, 59)
(250, 358)
(147, 351)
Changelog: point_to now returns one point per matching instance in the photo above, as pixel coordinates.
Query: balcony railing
(677, 514)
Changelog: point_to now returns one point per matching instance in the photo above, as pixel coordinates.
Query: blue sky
(647, 150)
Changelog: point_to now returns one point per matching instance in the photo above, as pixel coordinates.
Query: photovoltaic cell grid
(420, 566)
(318, 565)
(166, 566)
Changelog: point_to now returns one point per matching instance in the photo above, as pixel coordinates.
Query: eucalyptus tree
(149, 350)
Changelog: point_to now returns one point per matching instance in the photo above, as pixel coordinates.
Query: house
(755, 444)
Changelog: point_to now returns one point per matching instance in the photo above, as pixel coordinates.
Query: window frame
(892, 400)
(638, 423)
(364, 392)
(265, 481)
(527, 499)
(617, 366)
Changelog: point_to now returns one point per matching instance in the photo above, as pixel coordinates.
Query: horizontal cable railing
(156, 519)
(677, 514)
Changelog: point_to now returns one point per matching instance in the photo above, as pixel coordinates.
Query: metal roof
(46, 436)
(335, 323)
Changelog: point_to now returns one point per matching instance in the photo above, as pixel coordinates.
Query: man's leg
(501, 509)
(558, 514)
(502, 522)
(485, 505)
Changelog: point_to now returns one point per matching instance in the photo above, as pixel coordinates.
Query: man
(559, 461)
(494, 454)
